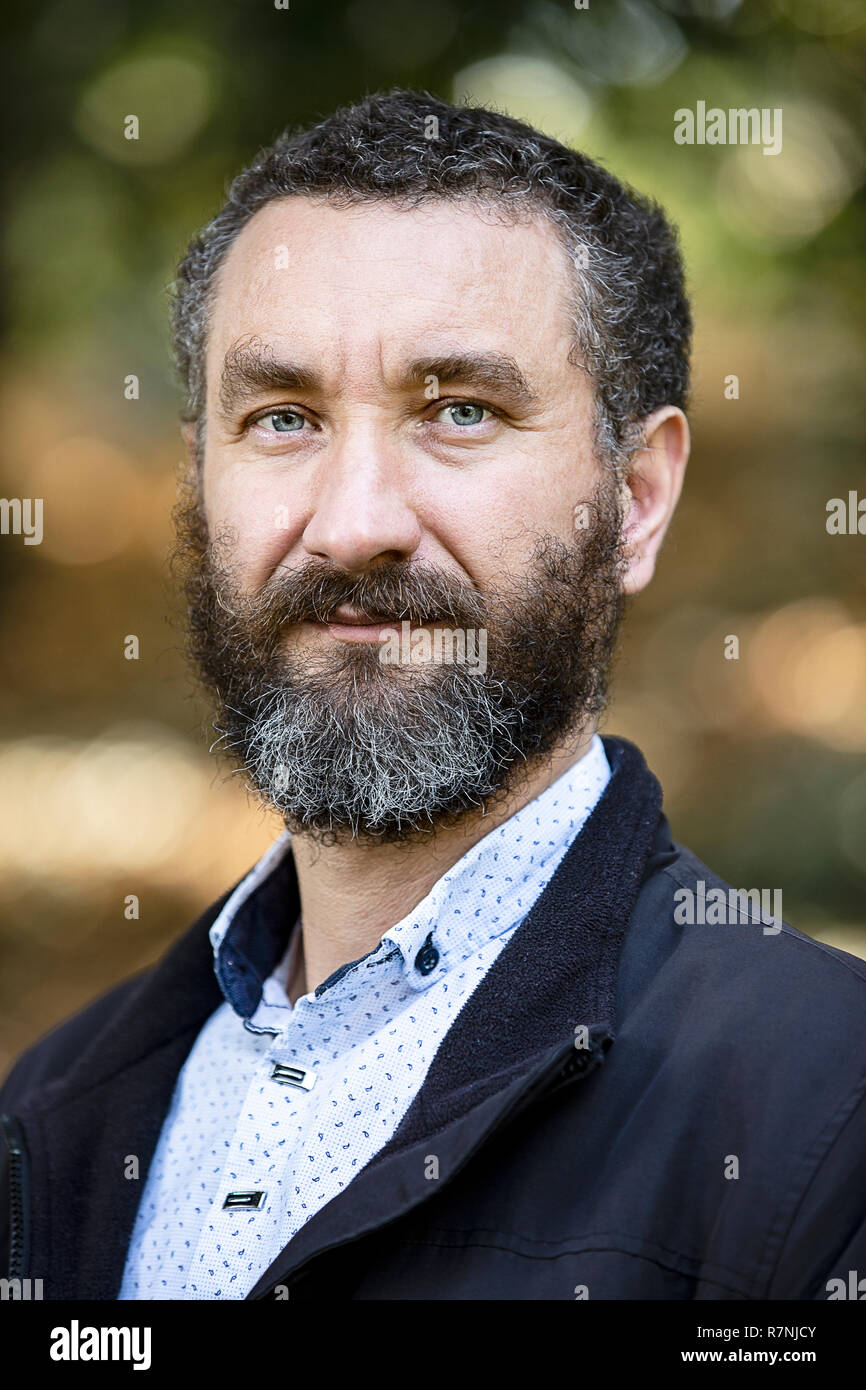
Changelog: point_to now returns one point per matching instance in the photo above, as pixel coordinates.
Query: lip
(353, 625)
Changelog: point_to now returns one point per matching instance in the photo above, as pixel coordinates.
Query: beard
(345, 746)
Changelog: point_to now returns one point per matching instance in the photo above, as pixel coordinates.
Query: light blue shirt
(278, 1112)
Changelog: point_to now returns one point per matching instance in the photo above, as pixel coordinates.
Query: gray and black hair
(631, 316)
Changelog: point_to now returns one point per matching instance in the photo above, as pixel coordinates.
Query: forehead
(375, 279)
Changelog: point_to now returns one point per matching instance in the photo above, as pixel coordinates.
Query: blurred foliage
(107, 785)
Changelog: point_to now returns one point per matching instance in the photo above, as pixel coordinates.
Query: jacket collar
(557, 973)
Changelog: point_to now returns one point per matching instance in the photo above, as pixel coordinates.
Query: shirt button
(428, 957)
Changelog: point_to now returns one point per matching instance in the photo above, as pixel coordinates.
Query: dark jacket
(709, 1142)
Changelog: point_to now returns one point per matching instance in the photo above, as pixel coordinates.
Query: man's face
(394, 431)
(356, 297)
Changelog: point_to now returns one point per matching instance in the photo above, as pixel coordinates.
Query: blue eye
(467, 413)
(284, 421)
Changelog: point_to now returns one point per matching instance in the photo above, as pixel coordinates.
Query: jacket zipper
(565, 1066)
(17, 1191)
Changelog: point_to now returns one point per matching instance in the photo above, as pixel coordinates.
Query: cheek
(534, 494)
(492, 532)
(263, 522)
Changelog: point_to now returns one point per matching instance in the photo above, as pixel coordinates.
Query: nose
(362, 510)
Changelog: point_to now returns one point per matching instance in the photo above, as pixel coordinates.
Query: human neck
(352, 893)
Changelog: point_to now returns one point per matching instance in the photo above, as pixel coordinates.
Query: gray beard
(390, 758)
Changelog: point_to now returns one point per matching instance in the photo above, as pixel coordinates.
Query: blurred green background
(106, 785)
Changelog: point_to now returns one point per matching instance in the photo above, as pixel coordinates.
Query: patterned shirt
(276, 1110)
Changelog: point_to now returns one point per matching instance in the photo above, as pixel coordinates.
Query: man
(457, 1035)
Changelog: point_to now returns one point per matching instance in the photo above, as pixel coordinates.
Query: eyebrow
(251, 370)
(489, 371)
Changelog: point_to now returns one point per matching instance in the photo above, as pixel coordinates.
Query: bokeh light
(169, 95)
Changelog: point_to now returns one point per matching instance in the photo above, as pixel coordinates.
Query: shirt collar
(251, 932)
(495, 883)
(483, 895)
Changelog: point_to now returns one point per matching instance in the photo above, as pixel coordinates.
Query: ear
(651, 491)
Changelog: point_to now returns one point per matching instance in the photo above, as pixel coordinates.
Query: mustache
(412, 590)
